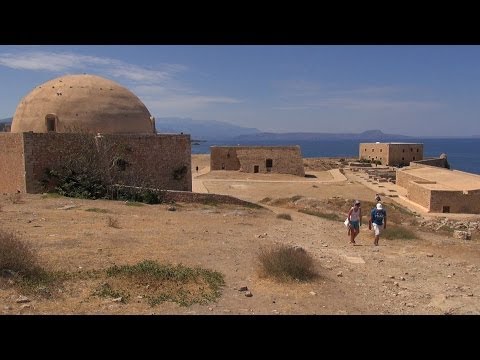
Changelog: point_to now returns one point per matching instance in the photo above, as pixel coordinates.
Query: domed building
(62, 119)
(82, 103)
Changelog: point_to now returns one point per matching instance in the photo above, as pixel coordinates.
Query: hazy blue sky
(411, 90)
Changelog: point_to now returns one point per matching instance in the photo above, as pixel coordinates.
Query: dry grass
(286, 263)
(113, 222)
(158, 283)
(398, 232)
(17, 255)
(15, 198)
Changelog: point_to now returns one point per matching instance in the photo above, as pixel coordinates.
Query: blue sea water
(462, 154)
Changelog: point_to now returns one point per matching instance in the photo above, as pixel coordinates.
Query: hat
(379, 206)
(357, 202)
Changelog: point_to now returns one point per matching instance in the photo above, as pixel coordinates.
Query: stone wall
(391, 154)
(12, 165)
(159, 161)
(374, 151)
(457, 201)
(251, 159)
(403, 178)
(224, 158)
(419, 194)
(437, 162)
(172, 196)
(467, 202)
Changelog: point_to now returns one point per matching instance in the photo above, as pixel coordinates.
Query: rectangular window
(50, 124)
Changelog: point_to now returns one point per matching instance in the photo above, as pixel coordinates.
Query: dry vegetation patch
(286, 263)
(158, 283)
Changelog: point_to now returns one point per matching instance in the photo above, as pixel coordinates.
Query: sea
(462, 154)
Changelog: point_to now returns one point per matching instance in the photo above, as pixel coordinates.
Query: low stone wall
(170, 196)
(437, 162)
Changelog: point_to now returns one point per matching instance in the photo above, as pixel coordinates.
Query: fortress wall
(419, 194)
(404, 178)
(284, 159)
(224, 158)
(12, 166)
(437, 162)
(159, 161)
(391, 154)
(457, 201)
(374, 151)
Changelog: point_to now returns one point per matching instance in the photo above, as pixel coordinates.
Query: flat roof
(445, 179)
(392, 143)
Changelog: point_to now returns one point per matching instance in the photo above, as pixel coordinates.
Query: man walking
(378, 217)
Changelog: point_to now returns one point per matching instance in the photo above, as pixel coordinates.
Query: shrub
(287, 263)
(112, 222)
(284, 216)
(17, 255)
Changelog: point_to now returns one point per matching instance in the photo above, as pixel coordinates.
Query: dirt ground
(435, 274)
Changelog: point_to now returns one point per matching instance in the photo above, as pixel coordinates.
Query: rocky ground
(433, 274)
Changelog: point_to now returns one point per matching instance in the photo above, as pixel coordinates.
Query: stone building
(258, 159)
(64, 117)
(391, 154)
(441, 190)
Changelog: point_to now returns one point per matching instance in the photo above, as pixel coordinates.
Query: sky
(418, 90)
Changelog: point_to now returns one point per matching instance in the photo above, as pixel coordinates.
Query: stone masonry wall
(391, 154)
(224, 158)
(403, 178)
(419, 194)
(12, 166)
(458, 201)
(159, 161)
(285, 159)
(434, 200)
(373, 151)
(437, 162)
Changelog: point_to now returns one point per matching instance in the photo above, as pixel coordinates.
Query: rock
(340, 274)
(67, 207)
(22, 299)
(119, 299)
(313, 293)
(429, 255)
(248, 294)
(463, 235)
(171, 208)
(243, 288)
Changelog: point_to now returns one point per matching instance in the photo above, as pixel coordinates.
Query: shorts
(355, 225)
(377, 228)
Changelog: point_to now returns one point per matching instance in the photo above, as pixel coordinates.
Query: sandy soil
(434, 274)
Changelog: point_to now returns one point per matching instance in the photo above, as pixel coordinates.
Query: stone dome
(82, 103)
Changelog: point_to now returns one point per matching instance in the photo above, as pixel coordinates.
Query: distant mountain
(6, 120)
(369, 135)
(202, 129)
